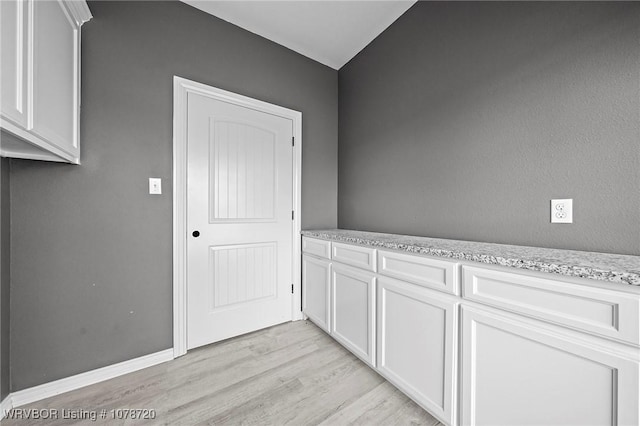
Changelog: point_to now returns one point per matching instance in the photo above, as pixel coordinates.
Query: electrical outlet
(562, 211)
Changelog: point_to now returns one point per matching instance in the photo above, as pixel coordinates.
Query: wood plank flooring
(288, 374)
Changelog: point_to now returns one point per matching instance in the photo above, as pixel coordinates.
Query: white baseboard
(37, 393)
(5, 406)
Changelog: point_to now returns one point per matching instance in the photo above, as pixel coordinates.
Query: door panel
(242, 273)
(239, 200)
(243, 178)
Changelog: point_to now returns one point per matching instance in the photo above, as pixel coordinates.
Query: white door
(239, 216)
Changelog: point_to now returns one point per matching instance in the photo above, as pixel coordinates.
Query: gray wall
(462, 120)
(5, 240)
(91, 256)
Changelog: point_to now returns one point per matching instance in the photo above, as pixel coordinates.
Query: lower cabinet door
(353, 310)
(518, 372)
(316, 290)
(417, 344)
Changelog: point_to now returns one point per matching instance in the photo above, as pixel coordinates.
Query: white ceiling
(330, 32)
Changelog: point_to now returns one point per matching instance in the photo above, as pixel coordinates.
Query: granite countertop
(615, 268)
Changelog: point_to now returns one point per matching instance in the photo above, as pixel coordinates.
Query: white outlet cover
(562, 210)
(155, 186)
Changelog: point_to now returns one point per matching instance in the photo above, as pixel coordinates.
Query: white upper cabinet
(13, 17)
(55, 88)
(41, 78)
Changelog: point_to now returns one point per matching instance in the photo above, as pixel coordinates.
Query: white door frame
(181, 88)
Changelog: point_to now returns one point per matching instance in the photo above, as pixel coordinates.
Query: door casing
(181, 88)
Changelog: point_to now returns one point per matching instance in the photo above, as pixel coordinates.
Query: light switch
(155, 186)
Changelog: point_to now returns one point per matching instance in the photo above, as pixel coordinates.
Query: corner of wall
(5, 278)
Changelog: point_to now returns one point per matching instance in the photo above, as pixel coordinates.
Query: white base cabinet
(476, 344)
(353, 311)
(517, 372)
(40, 64)
(417, 344)
(316, 290)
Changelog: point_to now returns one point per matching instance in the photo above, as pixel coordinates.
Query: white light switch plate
(155, 186)
(562, 211)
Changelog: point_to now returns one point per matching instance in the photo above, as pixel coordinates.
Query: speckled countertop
(615, 268)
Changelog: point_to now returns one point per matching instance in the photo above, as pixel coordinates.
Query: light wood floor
(288, 374)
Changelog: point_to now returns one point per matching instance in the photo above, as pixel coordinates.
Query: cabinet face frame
(447, 412)
(624, 395)
(324, 323)
(368, 354)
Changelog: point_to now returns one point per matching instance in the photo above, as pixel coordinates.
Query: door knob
(196, 234)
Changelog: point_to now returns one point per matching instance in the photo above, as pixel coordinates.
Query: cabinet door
(55, 75)
(516, 372)
(353, 310)
(316, 290)
(13, 60)
(417, 344)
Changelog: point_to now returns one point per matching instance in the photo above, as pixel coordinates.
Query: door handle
(196, 234)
